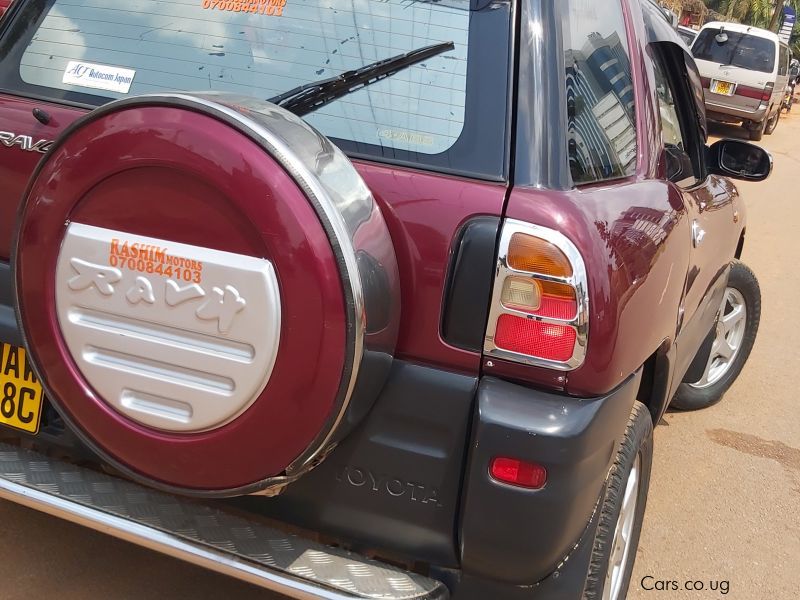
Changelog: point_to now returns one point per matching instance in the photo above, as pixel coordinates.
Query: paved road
(725, 493)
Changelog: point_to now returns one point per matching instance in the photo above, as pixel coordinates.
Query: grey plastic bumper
(520, 536)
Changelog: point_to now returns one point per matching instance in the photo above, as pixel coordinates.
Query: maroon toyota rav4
(361, 299)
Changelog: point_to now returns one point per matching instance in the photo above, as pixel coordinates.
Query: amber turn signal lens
(535, 255)
(562, 291)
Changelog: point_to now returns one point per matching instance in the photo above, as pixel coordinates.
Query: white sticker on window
(101, 77)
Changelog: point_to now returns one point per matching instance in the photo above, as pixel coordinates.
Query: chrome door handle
(698, 234)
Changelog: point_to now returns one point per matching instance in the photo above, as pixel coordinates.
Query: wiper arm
(311, 96)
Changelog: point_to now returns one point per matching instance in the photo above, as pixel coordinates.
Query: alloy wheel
(730, 332)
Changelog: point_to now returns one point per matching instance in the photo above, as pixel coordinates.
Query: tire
(636, 449)
(772, 124)
(756, 131)
(710, 389)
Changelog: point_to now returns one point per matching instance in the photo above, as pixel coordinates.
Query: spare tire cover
(207, 288)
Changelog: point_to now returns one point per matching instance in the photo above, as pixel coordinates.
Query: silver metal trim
(579, 281)
(234, 546)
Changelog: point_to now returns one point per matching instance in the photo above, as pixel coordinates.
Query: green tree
(752, 12)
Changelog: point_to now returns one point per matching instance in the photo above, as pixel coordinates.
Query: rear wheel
(622, 511)
(756, 130)
(736, 329)
(772, 122)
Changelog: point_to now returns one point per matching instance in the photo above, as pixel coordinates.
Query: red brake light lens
(517, 472)
(535, 338)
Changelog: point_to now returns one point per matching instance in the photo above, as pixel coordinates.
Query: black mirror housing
(739, 160)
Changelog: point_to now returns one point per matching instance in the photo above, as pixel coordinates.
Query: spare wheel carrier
(207, 289)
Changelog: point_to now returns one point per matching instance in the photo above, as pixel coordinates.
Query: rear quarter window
(737, 49)
(601, 131)
(99, 50)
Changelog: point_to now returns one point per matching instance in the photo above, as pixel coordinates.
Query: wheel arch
(740, 245)
(655, 385)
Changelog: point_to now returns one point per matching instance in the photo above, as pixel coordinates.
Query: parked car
(390, 278)
(745, 71)
(688, 34)
(4, 4)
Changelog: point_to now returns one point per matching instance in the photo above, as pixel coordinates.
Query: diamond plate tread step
(202, 534)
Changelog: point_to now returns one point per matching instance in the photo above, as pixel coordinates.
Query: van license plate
(20, 391)
(724, 88)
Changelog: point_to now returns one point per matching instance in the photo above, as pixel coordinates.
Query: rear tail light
(767, 94)
(539, 312)
(518, 472)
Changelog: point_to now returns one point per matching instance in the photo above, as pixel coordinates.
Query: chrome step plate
(176, 337)
(202, 534)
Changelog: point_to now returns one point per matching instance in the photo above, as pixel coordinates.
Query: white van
(745, 71)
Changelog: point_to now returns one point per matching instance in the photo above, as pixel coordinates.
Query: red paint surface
(185, 177)
(424, 213)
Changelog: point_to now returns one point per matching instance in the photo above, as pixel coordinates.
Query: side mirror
(739, 160)
(678, 163)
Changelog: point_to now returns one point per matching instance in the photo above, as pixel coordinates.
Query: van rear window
(739, 50)
(99, 50)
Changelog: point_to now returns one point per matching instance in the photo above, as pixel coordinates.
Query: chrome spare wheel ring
(731, 327)
(621, 547)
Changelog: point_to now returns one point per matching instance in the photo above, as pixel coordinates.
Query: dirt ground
(723, 507)
(725, 492)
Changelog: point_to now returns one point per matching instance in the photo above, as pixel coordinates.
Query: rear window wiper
(311, 96)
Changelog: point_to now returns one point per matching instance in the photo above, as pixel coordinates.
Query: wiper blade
(309, 97)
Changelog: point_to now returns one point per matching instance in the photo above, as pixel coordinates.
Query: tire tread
(638, 438)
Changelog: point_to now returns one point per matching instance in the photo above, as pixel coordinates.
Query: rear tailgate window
(739, 50)
(94, 51)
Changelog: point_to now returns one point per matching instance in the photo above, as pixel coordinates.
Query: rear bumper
(412, 479)
(521, 536)
(722, 113)
(202, 534)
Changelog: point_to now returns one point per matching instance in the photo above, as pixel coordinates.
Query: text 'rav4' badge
(222, 305)
(24, 142)
(177, 337)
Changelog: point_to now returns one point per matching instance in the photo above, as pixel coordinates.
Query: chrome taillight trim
(578, 280)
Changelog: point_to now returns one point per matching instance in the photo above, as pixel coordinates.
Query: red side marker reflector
(517, 472)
